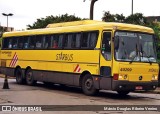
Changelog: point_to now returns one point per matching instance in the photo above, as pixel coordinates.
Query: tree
(108, 17)
(120, 18)
(43, 22)
(136, 18)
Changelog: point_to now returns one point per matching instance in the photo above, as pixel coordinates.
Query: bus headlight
(154, 77)
(123, 77)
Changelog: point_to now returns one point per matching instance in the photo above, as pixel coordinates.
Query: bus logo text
(65, 57)
(153, 70)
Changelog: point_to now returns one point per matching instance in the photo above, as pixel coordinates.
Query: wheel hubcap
(18, 76)
(29, 76)
(89, 83)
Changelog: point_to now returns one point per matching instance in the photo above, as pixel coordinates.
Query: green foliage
(120, 18)
(107, 17)
(43, 22)
(136, 18)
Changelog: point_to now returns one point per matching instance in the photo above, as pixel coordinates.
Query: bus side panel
(105, 83)
(56, 77)
(7, 71)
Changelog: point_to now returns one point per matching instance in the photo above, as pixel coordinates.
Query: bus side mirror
(116, 42)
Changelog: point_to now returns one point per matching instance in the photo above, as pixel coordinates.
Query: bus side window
(85, 40)
(26, 40)
(47, 41)
(20, 42)
(106, 45)
(55, 41)
(67, 40)
(5, 43)
(60, 41)
(78, 40)
(14, 43)
(93, 39)
(89, 39)
(39, 39)
(10, 44)
(32, 42)
(75, 42)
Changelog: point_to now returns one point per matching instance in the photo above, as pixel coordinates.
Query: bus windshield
(135, 47)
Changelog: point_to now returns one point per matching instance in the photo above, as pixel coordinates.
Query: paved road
(59, 95)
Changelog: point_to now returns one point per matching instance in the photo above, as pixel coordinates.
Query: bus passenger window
(25, 45)
(93, 39)
(85, 40)
(78, 40)
(68, 41)
(38, 44)
(47, 41)
(39, 41)
(20, 42)
(60, 40)
(106, 45)
(5, 43)
(55, 41)
(14, 43)
(55, 45)
(10, 44)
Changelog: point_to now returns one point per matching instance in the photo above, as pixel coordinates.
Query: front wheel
(88, 85)
(29, 78)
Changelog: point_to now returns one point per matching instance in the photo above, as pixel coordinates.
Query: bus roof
(83, 25)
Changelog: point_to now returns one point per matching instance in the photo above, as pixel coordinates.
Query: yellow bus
(93, 55)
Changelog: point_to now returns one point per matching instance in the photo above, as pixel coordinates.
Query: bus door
(106, 60)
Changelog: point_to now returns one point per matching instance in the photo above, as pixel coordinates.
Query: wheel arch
(82, 76)
(28, 67)
(17, 67)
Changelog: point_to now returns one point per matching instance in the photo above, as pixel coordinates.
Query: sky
(27, 11)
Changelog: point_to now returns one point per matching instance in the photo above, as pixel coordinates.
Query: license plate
(139, 88)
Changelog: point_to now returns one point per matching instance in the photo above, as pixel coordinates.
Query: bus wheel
(19, 76)
(123, 93)
(29, 78)
(88, 85)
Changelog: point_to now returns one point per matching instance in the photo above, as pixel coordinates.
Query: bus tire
(29, 78)
(123, 93)
(19, 76)
(88, 85)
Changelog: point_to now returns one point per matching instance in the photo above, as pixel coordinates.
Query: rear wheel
(88, 85)
(123, 93)
(19, 76)
(29, 78)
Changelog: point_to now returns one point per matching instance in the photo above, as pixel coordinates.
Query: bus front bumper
(133, 86)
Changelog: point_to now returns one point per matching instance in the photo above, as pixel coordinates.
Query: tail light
(115, 76)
